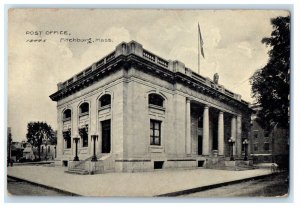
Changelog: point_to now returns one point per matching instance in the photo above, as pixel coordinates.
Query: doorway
(106, 139)
(200, 135)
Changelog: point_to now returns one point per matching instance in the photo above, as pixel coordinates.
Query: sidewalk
(130, 184)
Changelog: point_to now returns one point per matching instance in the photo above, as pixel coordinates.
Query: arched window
(84, 109)
(105, 100)
(155, 99)
(67, 115)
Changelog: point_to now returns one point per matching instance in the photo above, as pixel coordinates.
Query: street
(21, 188)
(276, 185)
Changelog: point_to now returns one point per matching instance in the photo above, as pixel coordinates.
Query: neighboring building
(267, 146)
(48, 152)
(24, 151)
(149, 113)
(16, 151)
(28, 152)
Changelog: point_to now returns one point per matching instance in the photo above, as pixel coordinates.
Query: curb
(68, 193)
(209, 187)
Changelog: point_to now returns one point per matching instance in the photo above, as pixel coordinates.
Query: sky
(232, 47)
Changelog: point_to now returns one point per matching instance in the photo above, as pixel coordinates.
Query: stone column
(238, 141)
(233, 133)
(221, 133)
(60, 140)
(188, 142)
(74, 132)
(205, 144)
(93, 123)
(250, 145)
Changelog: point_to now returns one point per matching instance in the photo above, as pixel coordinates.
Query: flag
(201, 41)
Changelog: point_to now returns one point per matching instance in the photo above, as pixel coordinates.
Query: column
(205, 144)
(93, 124)
(233, 133)
(221, 133)
(74, 132)
(60, 140)
(188, 143)
(250, 145)
(238, 141)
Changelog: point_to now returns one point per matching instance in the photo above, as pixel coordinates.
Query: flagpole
(198, 50)
(200, 47)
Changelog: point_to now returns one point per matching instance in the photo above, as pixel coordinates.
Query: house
(28, 153)
(16, 151)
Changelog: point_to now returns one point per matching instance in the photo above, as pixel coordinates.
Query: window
(155, 132)
(48, 149)
(255, 135)
(200, 163)
(155, 99)
(67, 138)
(65, 163)
(255, 147)
(266, 133)
(105, 100)
(266, 146)
(84, 109)
(67, 115)
(158, 164)
(84, 134)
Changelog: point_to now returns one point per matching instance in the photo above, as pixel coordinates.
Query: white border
(259, 4)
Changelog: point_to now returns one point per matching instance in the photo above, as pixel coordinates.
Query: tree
(271, 84)
(9, 141)
(39, 133)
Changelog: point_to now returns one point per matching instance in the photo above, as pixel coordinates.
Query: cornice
(132, 54)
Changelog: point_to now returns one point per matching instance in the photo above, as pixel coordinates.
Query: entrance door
(200, 135)
(105, 126)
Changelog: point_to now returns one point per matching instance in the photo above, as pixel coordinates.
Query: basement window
(158, 164)
(200, 163)
(65, 163)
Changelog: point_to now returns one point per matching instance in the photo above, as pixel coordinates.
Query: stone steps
(80, 168)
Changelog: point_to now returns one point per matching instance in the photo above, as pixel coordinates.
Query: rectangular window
(266, 146)
(67, 138)
(255, 147)
(155, 132)
(266, 133)
(158, 164)
(84, 134)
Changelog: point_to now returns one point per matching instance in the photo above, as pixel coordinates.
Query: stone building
(147, 113)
